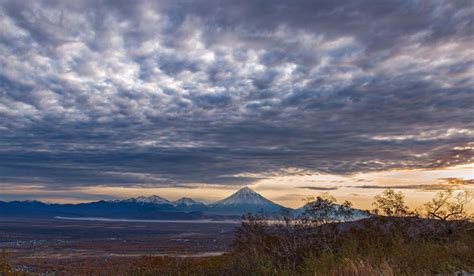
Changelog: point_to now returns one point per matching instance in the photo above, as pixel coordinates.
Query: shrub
(399, 243)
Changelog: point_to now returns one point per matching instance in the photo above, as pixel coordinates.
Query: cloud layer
(153, 93)
(463, 184)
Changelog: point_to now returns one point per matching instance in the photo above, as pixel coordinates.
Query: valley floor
(43, 245)
(373, 246)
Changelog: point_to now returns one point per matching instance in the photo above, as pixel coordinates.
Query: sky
(113, 99)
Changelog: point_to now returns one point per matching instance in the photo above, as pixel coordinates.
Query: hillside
(372, 246)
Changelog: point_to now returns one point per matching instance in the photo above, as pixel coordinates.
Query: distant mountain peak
(244, 196)
(246, 190)
(154, 199)
(186, 201)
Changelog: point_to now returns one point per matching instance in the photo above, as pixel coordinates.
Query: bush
(403, 246)
(373, 246)
(5, 267)
(399, 243)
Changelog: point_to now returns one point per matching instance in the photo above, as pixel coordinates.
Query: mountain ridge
(243, 201)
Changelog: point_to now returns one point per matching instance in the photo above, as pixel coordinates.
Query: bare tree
(448, 205)
(324, 209)
(391, 203)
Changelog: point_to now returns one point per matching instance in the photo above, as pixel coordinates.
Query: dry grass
(377, 246)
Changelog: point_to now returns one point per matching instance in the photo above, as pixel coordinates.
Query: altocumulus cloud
(154, 93)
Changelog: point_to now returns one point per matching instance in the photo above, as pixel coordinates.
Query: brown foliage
(373, 246)
(399, 243)
(391, 203)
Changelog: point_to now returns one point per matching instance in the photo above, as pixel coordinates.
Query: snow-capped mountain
(154, 199)
(241, 202)
(186, 201)
(355, 213)
(246, 200)
(244, 196)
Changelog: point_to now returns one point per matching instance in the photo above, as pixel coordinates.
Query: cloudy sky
(107, 99)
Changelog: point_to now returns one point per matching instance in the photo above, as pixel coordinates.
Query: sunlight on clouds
(204, 193)
(289, 190)
(140, 97)
(278, 187)
(425, 136)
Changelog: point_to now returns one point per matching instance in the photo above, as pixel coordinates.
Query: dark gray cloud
(160, 93)
(55, 197)
(442, 184)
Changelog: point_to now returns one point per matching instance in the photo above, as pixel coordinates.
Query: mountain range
(241, 202)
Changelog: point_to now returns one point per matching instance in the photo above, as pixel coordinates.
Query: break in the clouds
(152, 93)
